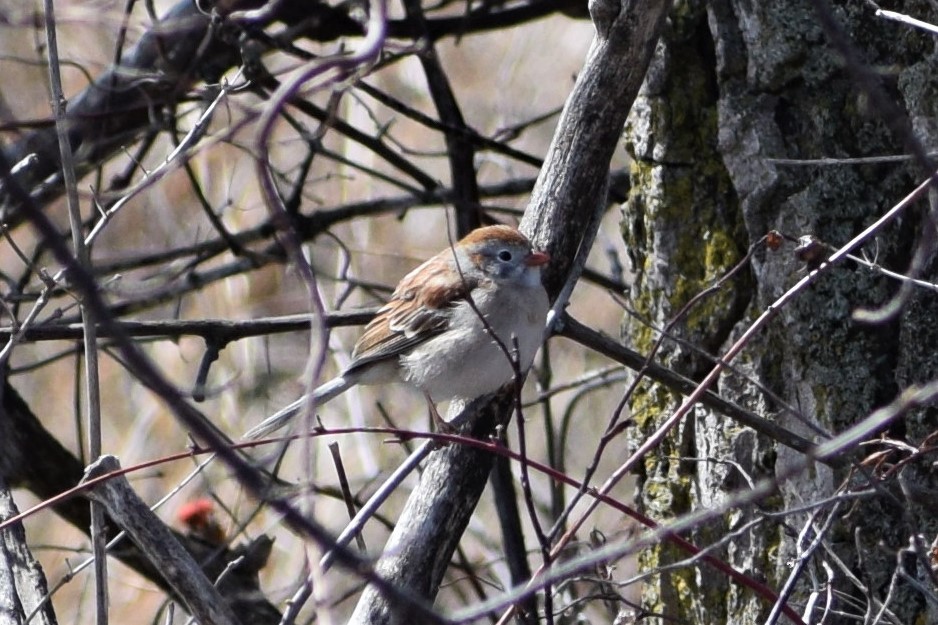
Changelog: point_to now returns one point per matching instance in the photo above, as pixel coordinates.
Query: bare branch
(571, 187)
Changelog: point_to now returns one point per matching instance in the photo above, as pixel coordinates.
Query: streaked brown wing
(385, 336)
(419, 309)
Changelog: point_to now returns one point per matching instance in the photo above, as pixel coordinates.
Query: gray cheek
(532, 278)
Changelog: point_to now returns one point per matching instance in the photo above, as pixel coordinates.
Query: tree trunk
(733, 85)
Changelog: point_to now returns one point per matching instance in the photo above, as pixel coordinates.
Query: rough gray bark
(133, 516)
(734, 84)
(564, 207)
(23, 587)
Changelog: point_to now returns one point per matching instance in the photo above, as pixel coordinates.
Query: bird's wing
(420, 308)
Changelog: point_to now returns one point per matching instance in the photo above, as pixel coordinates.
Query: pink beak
(536, 259)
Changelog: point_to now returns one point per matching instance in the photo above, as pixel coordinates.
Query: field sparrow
(429, 335)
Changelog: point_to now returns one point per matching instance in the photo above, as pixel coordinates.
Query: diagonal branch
(571, 186)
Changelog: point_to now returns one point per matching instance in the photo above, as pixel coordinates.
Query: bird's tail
(282, 417)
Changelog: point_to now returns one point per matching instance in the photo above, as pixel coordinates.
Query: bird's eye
(504, 256)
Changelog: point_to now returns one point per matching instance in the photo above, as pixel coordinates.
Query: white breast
(465, 361)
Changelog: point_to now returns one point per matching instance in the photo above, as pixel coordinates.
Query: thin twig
(92, 383)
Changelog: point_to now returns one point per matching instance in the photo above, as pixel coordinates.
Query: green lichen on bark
(682, 204)
(735, 85)
(682, 207)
